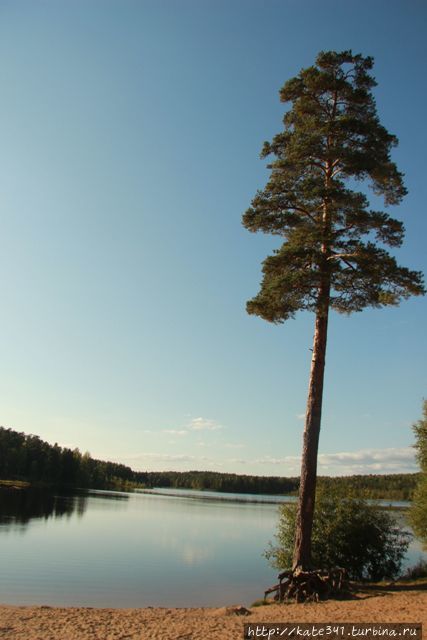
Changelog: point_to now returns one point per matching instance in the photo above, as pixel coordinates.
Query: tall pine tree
(334, 252)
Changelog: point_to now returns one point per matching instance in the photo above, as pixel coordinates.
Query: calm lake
(112, 549)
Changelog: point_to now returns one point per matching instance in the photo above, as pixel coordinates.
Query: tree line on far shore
(393, 487)
(29, 458)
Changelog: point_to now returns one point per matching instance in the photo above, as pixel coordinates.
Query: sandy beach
(51, 623)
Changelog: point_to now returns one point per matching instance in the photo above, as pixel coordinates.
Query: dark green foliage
(348, 532)
(397, 486)
(331, 135)
(223, 482)
(30, 458)
(418, 514)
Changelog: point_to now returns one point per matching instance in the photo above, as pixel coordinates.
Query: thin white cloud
(176, 432)
(235, 445)
(195, 425)
(300, 416)
(165, 457)
(391, 460)
(286, 460)
(369, 455)
(204, 424)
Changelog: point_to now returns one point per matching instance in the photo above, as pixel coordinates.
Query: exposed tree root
(310, 586)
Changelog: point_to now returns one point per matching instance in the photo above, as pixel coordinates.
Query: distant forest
(28, 458)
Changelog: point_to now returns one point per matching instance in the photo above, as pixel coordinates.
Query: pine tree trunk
(307, 492)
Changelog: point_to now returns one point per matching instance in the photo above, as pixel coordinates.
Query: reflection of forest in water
(19, 506)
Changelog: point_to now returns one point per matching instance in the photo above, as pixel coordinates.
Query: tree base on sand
(310, 586)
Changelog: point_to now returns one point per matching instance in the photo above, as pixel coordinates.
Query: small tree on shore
(348, 532)
(333, 254)
(418, 512)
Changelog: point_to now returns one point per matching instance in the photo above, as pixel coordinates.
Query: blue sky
(130, 140)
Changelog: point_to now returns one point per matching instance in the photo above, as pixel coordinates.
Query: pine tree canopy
(333, 241)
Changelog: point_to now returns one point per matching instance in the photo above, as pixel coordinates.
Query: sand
(52, 623)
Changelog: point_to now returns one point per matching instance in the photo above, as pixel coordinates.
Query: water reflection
(19, 507)
(215, 496)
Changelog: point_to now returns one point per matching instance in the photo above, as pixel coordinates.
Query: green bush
(418, 512)
(348, 532)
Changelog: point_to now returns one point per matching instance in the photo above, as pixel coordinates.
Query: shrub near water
(348, 532)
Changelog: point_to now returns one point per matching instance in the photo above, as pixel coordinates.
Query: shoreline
(224, 623)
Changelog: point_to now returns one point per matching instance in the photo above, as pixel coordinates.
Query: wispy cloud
(204, 424)
(165, 457)
(391, 460)
(172, 462)
(235, 445)
(195, 425)
(176, 432)
(300, 416)
(286, 461)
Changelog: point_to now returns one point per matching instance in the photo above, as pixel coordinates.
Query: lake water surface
(112, 549)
